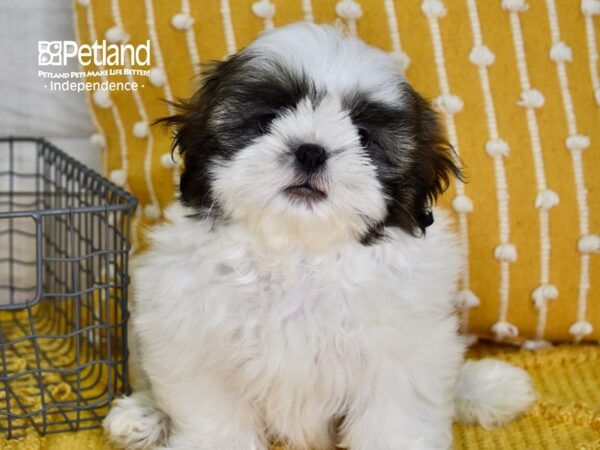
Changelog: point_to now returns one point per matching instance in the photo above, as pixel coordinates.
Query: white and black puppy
(298, 293)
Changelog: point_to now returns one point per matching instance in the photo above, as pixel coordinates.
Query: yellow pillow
(518, 88)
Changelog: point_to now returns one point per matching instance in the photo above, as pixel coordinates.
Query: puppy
(298, 293)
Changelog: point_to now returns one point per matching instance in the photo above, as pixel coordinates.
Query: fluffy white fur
(238, 342)
(492, 392)
(355, 196)
(339, 62)
(278, 323)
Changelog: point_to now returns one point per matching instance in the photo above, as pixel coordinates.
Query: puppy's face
(312, 138)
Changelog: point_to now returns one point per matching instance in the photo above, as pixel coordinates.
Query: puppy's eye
(365, 137)
(263, 122)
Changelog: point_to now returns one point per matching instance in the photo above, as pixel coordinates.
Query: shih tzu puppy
(302, 291)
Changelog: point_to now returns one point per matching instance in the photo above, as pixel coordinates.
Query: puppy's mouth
(305, 193)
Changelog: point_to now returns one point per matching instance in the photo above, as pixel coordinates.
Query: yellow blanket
(567, 416)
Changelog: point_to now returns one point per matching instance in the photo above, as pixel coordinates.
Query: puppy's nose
(310, 156)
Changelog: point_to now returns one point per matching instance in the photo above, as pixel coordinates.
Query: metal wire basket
(64, 242)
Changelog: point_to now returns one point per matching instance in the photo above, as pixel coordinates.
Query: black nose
(310, 156)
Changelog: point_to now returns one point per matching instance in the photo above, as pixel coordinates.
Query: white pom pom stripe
(190, 35)
(531, 98)
(266, 11)
(307, 10)
(466, 299)
(543, 293)
(575, 142)
(515, 6)
(98, 140)
(462, 204)
(506, 252)
(152, 211)
(118, 176)
(99, 137)
(434, 10)
(481, 55)
(182, 21)
(448, 104)
(589, 243)
(102, 99)
(581, 329)
(561, 52)
(546, 198)
(116, 35)
(167, 160)
(228, 30)
(400, 57)
(590, 7)
(498, 149)
(350, 11)
(503, 330)
(190, 39)
(157, 77)
(158, 74)
(140, 129)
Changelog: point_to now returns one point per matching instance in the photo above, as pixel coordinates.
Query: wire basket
(64, 242)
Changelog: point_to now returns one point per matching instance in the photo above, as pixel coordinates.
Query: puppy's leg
(404, 404)
(206, 415)
(135, 423)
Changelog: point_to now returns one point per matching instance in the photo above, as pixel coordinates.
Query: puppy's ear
(436, 161)
(193, 136)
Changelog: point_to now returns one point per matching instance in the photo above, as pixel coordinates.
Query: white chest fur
(292, 333)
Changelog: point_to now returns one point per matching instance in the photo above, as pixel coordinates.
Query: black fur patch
(237, 101)
(414, 160)
(225, 115)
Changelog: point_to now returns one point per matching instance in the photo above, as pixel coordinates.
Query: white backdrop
(26, 107)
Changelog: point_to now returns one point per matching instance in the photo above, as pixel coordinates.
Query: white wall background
(26, 107)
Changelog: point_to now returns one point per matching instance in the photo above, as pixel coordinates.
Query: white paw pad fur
(134, 423)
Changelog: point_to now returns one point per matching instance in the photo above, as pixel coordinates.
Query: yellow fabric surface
(503, 189)
(567, 416)
(30, 379)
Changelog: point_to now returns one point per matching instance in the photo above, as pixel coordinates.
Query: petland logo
(58, 53)
(109, 60)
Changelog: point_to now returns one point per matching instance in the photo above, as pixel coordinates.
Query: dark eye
(263, 122)
(365, 137)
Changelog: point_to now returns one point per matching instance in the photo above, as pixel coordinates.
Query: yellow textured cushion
(566, 417)
(518, 88)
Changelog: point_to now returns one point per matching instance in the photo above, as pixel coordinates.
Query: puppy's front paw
(134, 423)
